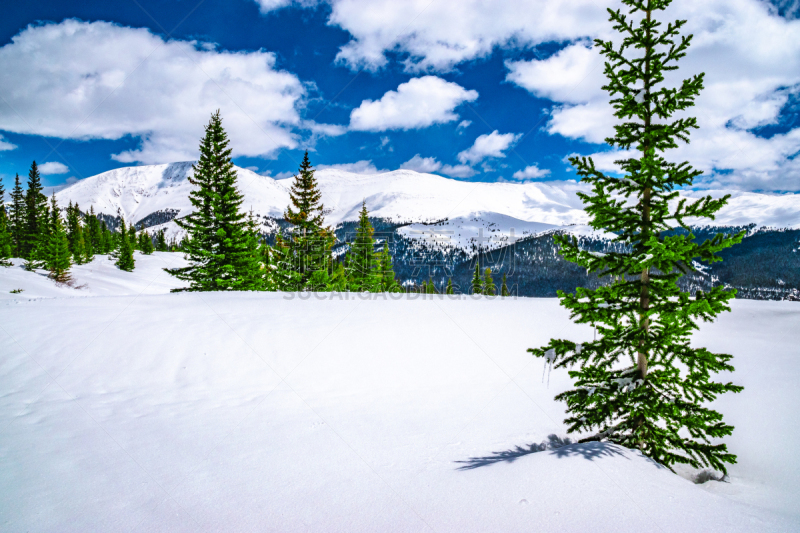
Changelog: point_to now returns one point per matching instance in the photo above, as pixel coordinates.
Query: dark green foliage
(77, 245)
(36, 218)
(363, 274)
(477, 282)
(124, 249)
(449, 289)
(220, 245)
(641, 383)
(309, 243)
(145, 243)
(55, 253)
(17, 218)
(504, 287)
(161, 241)
(387, 278)
(5, 230)
(488, 284)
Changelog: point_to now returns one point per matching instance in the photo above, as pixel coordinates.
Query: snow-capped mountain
(464, 209)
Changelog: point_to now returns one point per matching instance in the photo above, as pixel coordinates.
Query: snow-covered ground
(276, 412)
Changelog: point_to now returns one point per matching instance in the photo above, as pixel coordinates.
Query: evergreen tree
(363, 275)
(5, 230)
(36, 223)
(504, 287)
(388, 280)
(430, 288)
(55, 253)
(133, 238)
(161, 240)
(310, 242)
(285, 276)
(219, 246)
(146, 244)
(449, 289)
(124, 250)
(488, 285)
(642, 383)
(75, 234)
(477, 281)
(18, 218)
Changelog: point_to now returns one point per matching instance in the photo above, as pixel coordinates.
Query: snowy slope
(135, 192)
(404, 196)
(271, 412)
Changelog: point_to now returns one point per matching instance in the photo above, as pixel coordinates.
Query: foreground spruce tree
(219, 248)
(5, 229)
(488, 284)
(387, 276)
(641, 383)
(504, 288)
(477, 281)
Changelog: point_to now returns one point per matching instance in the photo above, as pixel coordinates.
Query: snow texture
(289, 412)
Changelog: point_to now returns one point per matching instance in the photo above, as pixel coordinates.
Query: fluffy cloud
(81, 80)
(422, 164)
(5, 145)
(438, 35)
(458, 171)
(53, 167)
(359, 167)
(531, 173)
(751, 58)
(418, 103)
(488, 145)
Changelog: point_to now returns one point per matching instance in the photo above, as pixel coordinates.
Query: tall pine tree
(310, 242)
(5, 229)
(488, 284)
(386, 269)
(17, 218)
(36, 222)
(220, 249)
(504, 287)
(641, 383)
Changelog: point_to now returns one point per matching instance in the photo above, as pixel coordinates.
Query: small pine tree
(363, 274)
(146, 246)
(124, 250)
(387, 276)
(642, 383)
(133, 237)
(75, 237)
(161, 240)
(430, 288)
(477, 281)
(449, 289)
(56, 254)
(504, 287)
(488, 285)
(18, 217)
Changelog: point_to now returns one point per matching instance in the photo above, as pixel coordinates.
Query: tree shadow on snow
(560, 448)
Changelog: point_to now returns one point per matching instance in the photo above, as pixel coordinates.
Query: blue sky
(468, 89)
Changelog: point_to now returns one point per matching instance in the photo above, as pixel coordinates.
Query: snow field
(271, 412)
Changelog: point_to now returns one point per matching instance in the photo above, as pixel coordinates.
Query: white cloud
(458, 171)
(422, 164)
(488, 145)
(418, 103)
(271, 5)
(752, 62)
(53, 167)
(359, 167)
(81, 80)
(531, 173)
(438, 35)
(464, 124)
(5, 145)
